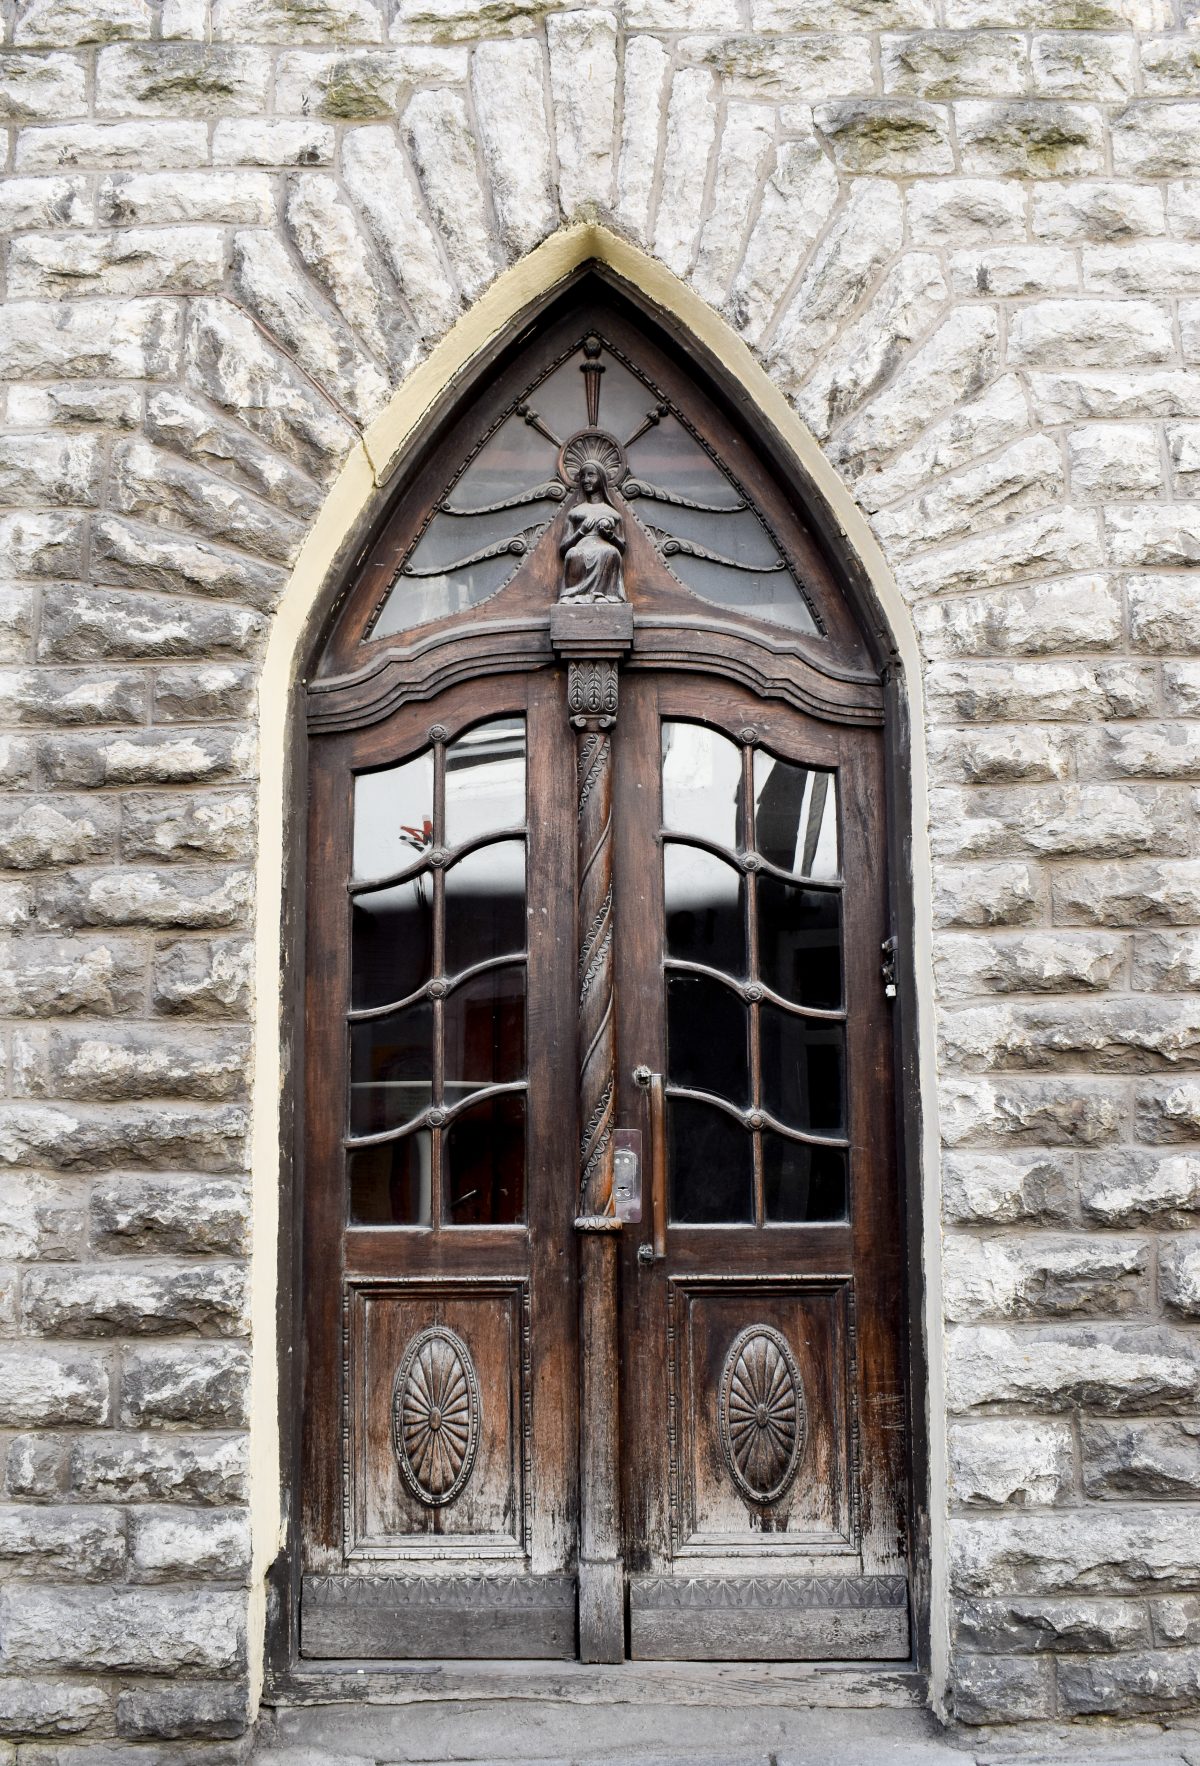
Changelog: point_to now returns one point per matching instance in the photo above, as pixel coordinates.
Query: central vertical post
(592, 637)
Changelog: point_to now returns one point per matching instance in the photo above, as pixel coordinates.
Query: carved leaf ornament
(762, 1416)
(436, 1416)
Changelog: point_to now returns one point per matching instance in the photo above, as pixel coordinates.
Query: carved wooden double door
(603, 1253)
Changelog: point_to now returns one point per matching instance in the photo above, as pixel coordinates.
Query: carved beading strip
(798, 1593)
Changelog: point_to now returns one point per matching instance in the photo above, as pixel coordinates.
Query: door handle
(656, 1251)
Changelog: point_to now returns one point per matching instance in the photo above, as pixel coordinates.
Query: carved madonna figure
(594, 542)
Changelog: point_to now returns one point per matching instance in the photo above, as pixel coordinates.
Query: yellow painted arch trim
(366, 469)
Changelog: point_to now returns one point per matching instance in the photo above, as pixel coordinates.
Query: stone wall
(963, 236)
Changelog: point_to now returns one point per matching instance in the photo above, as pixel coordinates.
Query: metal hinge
(888, 967)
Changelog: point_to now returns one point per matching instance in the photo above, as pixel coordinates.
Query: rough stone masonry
(963, 237)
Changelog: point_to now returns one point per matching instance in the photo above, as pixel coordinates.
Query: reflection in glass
(392, 1184)
(485, 780)
(799, 942)
(705, 918)
(707, 1038)
(671, 459)
(514, 461)
(702, 783)
(802, 1182)
(772, 596)
(711, 1163)
(795, 816)
(801, 1071)
(416, 600)
(392, 936)
(484, 1163)
(485, 905)
(738, 535)
(483, 1032)
(393, 817)
(391, 1069)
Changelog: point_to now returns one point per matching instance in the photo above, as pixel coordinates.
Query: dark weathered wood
(768, 1620)
(525, 1617)
(601, 1566)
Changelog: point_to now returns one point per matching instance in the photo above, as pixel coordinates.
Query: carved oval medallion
(762, 1417)
(435, 1415)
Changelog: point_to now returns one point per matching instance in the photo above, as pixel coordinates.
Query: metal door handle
(656, 1251)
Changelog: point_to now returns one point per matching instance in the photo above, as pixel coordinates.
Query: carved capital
(592, 694)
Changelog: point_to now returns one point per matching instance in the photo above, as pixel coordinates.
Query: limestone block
(1152, 267)
(796, 202)
(381, 182)
(1162, 894)
(127, 1630)
(1134, 1187)
(447, 163)
(1109, 1035)
(139, 757)
(128, 1299)
(1016, 1625)
(112, 146)
(1168, 1110)
(954, 364)
(1097, 821)
(1036, 140)
(644, 83)
(1003, 756)
(1189, 335)
(1090, 333)
(166, 1543)
(796, 71)
(991, 692)
(949, 211)
(1156, 140)
(205, 1385)
(55, 831)
(352, 84)
(68, 23)
(898, 137)
(1183, 446)
(1078, 613)
(45, 202)
(1067, 15)
(34, 1466)
(998, 416)
(1179, 1276)
(191, 430)
(273, 141)
(66, 696)
(134, 339)
(209, 977)
(162, 1467)
(16, 622)
(188, 827)
(41, 544)
(36, 87)
(1170, 66)
(1145, 751)
(1181, 688)
(1010, 1463)
(1100, 212)
(1057, 1276)
(323, 229)
(181, 80)
(182, 1710)
(988, 895)
(143, 260)
(1154, 536)
(1073, 1551)
(1164, 613)
(1074, 64)
(1176, 1619)
(1039, 1112)
(40, 1217)
(1166, 961)
(1106, 1368)
(270, 286)
(1024, 477)
(284, 21)
(583, 85)
(1111, 393)
(51, 1707)
(68, 405)
(954, 64)
(1150, 1681)
(184, 18)
(1051, 543)
(673, 15)
(124, 1062)
(856, 246)
(43, 977)
(804, 15)
(1002, 1189)
(160, 488)
(173, 199)
(1113, 460)
(194, 695)
(996, 1689)
(116, 624)
(16, 760)
(1006, 271)
(508, 89)
(744, 154)
(42, 1387)
(1183, 207)
(16, 906)
(691, 131)
(53, 1543)
(1146, 1460)
(178, 897)
(177, 1213)
(130, 555)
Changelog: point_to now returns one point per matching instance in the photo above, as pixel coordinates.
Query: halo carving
(762, 1415)
(593, 446)
(436, 1415)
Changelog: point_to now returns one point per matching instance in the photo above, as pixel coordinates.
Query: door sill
(844, 1685)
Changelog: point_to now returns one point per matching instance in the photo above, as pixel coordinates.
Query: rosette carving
(436, 1416)
(762, 1416)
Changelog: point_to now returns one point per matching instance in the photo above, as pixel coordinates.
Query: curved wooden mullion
(448, 984)
(757, 1119)
(435, 1115)
(752, 863)
(757, 992)
(447, 857)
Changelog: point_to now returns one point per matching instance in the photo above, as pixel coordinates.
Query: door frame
(299, 643)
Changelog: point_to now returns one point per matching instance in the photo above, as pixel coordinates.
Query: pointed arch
(350, 515)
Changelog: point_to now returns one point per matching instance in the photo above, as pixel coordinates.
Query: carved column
(592, 638)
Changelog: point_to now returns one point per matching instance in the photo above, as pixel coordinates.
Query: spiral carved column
(592, 639)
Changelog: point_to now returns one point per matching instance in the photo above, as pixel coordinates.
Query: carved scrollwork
(762, 1416)
(592, 694)
(436, 1416)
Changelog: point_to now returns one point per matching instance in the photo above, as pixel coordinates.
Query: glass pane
(670, 459)
(801, 1182)
(415, 600)
(712, 1164)
(702, 783)
(516, 460)
(561, 399)
(391, 1067)
(735, 533)
(485, 780)
(392, 936)
(704, 898)
(449, 538)
(707, 1040)
(484, 1032)
(801, 1071)
(795, 816)
(393, 817)
(800, 942)
(485, 905)
(392, 1185)
(773, 597)
(485, 1163)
